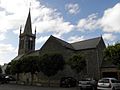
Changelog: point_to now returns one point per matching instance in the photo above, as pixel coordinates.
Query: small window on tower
(31, 39)
(22, 44)
(30, 43)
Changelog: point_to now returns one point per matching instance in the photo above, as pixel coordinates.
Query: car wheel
(94, 88)
(113, 88)
(69, 85)
(81, 88)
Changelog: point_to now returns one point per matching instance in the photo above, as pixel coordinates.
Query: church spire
(27, 38)
(28, 26)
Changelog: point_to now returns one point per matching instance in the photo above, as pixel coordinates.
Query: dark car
(2, 79)
(87, 83)
(9, 78)
(68, 82)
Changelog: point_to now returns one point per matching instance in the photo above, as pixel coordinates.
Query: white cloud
(7, 51)
(11, 13)
(56, 25)
(51, 21)
(6, 48)
(72, 8)
(44, 18)
(89, 23)
(42, 39)
(2, 36)
(110, 22)
(14, 13)
(75, 39)
(109, 37)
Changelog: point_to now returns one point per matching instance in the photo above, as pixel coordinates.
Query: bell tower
(27, 38)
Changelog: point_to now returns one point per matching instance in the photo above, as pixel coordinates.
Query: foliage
(30, 64)
(113, 53)
(50, 64)
(77, 63)
(16, 67)
(8, 70)
(26, 65)
(0, 69)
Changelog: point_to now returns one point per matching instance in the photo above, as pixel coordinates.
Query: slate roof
(18, 57)
(86, 44)
(63, 43)
(33, 53)
(28, 26)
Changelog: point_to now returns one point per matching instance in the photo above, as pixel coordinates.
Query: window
(22, 44)
(30, 44)
(104, 81)
(115, 81)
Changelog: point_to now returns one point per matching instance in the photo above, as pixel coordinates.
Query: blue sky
(70, 20)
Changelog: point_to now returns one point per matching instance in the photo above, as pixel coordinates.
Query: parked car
(108, 84)
(2, 79)
(87, 83)
(9, 78)
(68, 82)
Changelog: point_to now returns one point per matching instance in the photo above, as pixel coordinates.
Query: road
(22, 87)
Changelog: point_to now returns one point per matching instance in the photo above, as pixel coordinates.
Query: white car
(108, 84)
(87, 83)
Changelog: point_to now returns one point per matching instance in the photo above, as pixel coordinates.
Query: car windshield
(115, 81)
(104, 81)
(87, 79)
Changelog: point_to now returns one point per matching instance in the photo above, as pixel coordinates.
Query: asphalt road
(22, 87)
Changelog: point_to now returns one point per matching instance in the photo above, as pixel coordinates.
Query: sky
(69, 20)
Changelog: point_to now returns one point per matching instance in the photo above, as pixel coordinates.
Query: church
(91, 48)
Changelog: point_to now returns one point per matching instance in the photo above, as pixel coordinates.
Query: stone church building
(91, 48)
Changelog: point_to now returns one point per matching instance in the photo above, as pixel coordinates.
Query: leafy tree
(0, 70)
(50, 64)
(112, 53)
(30, 64)
(15, 67)
(8, 70)
(77, 63)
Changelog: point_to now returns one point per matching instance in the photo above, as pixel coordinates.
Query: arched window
(30, 44)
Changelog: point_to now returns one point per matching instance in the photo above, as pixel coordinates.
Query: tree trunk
(77, 81)
(17, 77)
(48, 81)
(32, 76)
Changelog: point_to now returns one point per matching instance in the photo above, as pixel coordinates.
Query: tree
(30, 64)
(50, 64)
(15, 68)
(8, 70)
(77, 63)
(0, 69)
(112, 53)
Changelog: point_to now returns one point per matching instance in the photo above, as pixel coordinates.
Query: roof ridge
(86, 44)
(86, 40)
(63, 42)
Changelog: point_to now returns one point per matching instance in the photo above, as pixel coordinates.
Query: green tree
(15, 68)
(30, 64)
(8, 70)
(112, 53)
(50, 64)
(77, 63)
